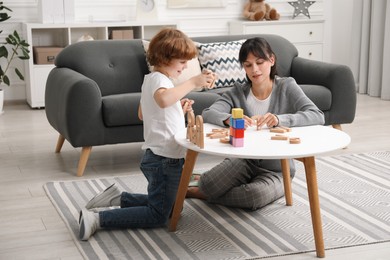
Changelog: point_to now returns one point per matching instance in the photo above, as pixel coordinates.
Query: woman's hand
(270, 120)
(248, 121)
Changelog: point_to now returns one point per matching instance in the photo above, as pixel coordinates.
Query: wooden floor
(32, 229)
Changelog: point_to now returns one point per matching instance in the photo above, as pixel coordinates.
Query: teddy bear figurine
(257, 10)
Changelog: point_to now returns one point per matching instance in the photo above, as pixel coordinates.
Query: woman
(267, 100)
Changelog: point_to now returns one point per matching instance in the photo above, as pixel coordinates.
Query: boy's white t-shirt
(161, 124)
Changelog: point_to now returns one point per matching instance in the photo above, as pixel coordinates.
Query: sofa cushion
(222, 58)
(121, 109)
(320, 95)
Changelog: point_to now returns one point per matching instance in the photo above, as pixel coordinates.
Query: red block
(237, 133)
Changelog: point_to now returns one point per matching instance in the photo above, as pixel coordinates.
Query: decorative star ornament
(301, 7)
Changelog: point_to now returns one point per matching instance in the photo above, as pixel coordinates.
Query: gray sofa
(92, 94)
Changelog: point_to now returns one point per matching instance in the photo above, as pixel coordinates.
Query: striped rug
(355, 205)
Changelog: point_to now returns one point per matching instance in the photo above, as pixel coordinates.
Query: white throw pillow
(222, 59)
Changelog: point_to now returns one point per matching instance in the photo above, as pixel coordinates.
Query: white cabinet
(62, 35)
(306, 35)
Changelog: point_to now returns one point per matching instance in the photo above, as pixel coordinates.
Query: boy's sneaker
(89, 223)
(107, 198)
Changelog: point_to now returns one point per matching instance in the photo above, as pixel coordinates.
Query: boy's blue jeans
(152, 209)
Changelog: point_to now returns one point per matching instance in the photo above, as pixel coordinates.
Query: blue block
(238, 123)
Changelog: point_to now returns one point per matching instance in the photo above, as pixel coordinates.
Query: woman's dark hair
(260, 48)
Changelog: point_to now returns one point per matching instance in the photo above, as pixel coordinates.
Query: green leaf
(19, 74)
(6, 80)
(24, 43)
(4, 17)
(16, 36)
(11, 39)
(3, 52)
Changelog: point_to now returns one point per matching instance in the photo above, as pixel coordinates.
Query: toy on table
(195, 129)
(237, 127)
(280, 130)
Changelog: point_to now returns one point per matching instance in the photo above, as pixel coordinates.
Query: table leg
(183, 186)
(287, 181)
(312, 189)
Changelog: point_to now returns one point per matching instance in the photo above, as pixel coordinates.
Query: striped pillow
(222, 58)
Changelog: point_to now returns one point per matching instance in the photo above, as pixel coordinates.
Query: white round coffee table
(314, 140)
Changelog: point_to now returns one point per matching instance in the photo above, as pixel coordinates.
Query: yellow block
(237, 113)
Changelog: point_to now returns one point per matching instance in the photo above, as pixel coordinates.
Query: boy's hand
(211, 76)
(186, 104)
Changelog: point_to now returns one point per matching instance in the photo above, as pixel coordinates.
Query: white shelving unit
(306, 35)
(62, 35)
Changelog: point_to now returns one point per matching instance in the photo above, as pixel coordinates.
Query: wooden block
(218, 135)
(237, 113)
(225, 140)
(295, 140)
(277, 130)
(199, 131)
(279, 137)
(288, 129)
(219, 130)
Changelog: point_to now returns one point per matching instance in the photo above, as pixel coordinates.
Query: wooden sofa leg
(60, 142)
(85, 152)
(338, 127)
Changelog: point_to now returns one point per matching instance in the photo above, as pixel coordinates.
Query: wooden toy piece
(295, 140)
(218, 130)
(190, 124)
(279, 137)
(199, 132)
(195, 129)
(218, 135)
(225, 140)
(212, 83)
(277, 130)
(288, 129)
(185, 107)
(237, 113)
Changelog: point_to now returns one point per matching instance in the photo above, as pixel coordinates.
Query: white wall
(194, 22)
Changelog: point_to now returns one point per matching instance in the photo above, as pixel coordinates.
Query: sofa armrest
(337, 78)
(74, 107)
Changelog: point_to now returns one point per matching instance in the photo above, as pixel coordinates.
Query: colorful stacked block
(237, 127)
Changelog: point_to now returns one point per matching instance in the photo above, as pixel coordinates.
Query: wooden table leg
(183, 186)
(312, 189)
(287, 181)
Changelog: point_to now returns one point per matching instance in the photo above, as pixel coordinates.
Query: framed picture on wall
(196, 3)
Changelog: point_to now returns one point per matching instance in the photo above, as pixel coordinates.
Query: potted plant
(13, 48)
